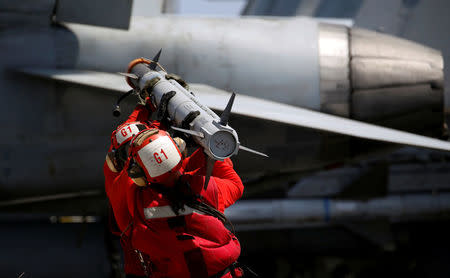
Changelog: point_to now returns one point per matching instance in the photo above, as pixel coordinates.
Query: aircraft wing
(102, 80)
(256, 108)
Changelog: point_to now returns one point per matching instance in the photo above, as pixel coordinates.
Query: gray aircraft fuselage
(56, 134)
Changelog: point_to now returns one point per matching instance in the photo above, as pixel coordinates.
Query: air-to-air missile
(185, 112)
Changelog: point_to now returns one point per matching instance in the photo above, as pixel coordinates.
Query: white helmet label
(126, 132)
(159, 156)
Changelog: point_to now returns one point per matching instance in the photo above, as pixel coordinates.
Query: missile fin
(226, 113)
(187, 131)
(155, 60)
(209, 168)
(130, 75)
(252, 151)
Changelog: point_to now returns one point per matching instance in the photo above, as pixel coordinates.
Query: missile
(185, 112)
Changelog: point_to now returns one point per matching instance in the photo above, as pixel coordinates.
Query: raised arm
(140, 114)
(229, 184)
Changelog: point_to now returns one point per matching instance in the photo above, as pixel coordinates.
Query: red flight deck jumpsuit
(192, 244)
(116, 193)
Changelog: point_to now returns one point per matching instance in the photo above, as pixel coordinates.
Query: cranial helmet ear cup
(139, 181)
(121, 155)
(134, 170)
(136, 173)
(181, 144)
(109, 161)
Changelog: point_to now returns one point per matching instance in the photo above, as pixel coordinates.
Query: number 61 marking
(158, 158)
(124, 131)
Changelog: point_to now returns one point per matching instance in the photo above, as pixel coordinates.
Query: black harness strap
(189, 118)
(181, 194)
(175, 222)
(143, 263)
(209, 210)
(230, 268)
(162, 112)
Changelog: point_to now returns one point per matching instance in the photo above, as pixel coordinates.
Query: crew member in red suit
(176, 221)
(113, 166)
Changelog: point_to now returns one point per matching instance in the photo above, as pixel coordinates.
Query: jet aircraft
(310, 94)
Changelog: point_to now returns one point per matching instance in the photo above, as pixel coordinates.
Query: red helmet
(156, 156)
(120, 137)
(125, 132)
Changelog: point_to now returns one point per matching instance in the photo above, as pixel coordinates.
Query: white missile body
(219, 141)
(185, 112)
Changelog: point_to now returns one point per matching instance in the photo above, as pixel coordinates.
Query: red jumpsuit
(115, 190)
(192, 244)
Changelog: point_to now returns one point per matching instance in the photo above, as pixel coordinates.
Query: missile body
(187, 114)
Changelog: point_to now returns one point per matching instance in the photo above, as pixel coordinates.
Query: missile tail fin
(226, 113)
(209, 168)
(252, 151)
(155, 60)
(130, 75)
(187, 131)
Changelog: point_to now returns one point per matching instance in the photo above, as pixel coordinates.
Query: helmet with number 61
(120, 139)
(156, 157)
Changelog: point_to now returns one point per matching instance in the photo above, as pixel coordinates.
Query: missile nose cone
(389, 81)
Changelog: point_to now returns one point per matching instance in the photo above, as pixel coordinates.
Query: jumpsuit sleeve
(140, 113)
(158, 125)
(229, 184)
(117, 192)
(194, 162)
(109, 178)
